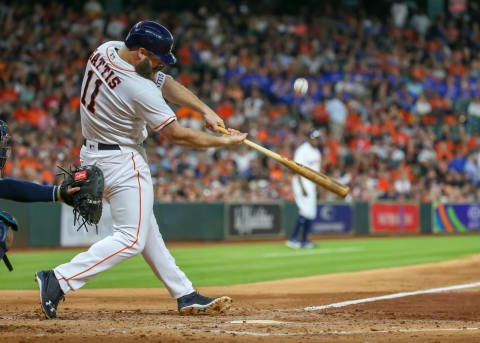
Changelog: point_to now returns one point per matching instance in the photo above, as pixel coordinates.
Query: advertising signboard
(398, 217)
(254, 219)
(333, 218)
(456, 217)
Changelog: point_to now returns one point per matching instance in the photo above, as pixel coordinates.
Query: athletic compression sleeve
(24, 191)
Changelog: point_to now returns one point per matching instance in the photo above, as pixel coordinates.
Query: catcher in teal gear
(24, 191)
(8, 223)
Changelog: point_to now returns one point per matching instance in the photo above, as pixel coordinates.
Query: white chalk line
(392, 296)
(313, 333)
(317, 251)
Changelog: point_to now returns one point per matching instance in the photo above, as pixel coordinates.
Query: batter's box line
(392, 296)
(318, 333)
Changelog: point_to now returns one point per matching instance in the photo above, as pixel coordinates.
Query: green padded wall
(361, 218)
(190, 221)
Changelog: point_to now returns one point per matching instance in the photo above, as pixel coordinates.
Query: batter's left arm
(175, 92)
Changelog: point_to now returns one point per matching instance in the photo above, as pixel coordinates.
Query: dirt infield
(268, 311)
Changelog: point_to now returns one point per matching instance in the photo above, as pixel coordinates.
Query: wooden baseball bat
(317, 177)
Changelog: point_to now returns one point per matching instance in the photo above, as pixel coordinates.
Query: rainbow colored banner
(456, 217)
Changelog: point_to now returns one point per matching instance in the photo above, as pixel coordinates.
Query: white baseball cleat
(293, 244)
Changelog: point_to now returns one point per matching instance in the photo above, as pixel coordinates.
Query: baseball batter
(305, 191)
(123, 91)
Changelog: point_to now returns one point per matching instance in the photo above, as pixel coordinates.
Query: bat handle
(223, 130)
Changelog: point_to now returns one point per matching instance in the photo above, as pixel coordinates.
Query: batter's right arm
(178, 94)
(177, 134)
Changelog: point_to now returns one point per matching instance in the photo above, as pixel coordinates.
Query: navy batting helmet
(153, 37)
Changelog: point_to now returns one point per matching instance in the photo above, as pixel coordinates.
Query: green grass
(241, 263)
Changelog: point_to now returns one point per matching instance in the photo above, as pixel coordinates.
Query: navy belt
(103, 146)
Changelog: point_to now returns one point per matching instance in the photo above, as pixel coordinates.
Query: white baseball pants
(129, 190)
(307, 205)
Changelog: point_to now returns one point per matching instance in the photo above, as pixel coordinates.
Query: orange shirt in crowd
(75, 151)
(400, 138)
(439, 103)
(262, 136)
(428, 119)
(418, 73)
(224, 110)
(407, 116)
(383, 184)
(278, 111)
(185, 79)
(33, 115)
(406, 169)
(276, 173)
(472, 142)
(444, 150)
(74, 103)
(8, 95)
(450, 119)
(389, 125)
(47, 176)
(319, 113)
(360, 143)
(185, 112)
(20, 114)
(184, 55)
(333, 152)
(351, 121)
(374, 130)
(8, 167)
(456, 69)
(32, 163)
(275, 113)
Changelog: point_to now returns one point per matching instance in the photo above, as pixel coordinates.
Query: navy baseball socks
(306, 231)
(194, 303)
(50, 292)
(306, 225)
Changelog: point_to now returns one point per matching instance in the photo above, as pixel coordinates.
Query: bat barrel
(313, 175)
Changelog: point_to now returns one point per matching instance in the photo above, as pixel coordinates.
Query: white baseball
(300, 86)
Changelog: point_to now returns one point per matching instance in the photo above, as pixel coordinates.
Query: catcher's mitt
(7, 224)
(87, 202)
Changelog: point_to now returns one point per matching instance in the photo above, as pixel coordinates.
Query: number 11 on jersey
(98, 83)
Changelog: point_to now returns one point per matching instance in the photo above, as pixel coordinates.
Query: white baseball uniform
(310, 157)
(116, 105)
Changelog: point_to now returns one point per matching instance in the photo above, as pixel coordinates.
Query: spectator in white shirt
(474, 107)
(422, 106)
(337, 112)
(402, 185)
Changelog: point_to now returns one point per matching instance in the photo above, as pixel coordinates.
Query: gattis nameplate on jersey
(81, 175)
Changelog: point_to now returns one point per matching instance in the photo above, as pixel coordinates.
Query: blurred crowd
(397, 98)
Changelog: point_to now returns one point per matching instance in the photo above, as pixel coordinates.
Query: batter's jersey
(117, 103)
